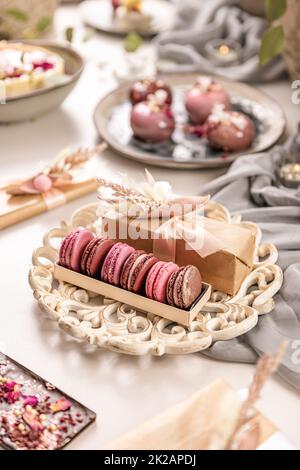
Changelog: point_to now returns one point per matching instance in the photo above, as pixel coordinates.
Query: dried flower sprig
(131, 195)
(55, 175)
(266, 366)
(66, 162)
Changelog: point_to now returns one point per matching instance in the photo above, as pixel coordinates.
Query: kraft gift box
(205, 421)
(225, 269)
(14, 209)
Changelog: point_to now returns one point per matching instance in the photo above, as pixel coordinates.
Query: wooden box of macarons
(162, 264)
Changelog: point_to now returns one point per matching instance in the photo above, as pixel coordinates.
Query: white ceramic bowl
(39, 102)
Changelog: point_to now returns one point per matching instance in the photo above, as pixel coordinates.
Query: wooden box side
(139, 302)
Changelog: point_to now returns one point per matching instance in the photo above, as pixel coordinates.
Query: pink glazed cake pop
(153, 120)
(140, 90)
(230, 131)
(202, 98)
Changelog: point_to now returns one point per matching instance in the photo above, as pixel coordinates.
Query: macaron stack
(120, 265)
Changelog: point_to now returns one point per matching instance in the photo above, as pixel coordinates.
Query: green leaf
(17, 14)
(69, 34)
(132, 42)
(275, 9)
(43, 23)
(272, 44)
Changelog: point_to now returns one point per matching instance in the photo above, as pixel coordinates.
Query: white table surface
(124, 391)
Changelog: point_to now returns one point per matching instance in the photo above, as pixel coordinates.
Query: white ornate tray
(118, 327)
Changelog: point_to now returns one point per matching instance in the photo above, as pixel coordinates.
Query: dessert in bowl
(131, 16)
(25, 68)
(36, 77)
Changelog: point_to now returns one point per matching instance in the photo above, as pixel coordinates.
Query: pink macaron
(184, 287)
(114, 262)
(72, 248)
(151, 279)
(94, 255)
(161, 281)
(139, 271)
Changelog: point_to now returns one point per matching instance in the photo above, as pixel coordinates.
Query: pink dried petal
(169, 112)
(31, 400)
(31, 418)
(61, 405)
(9, 386)
(14, 395)
(43, 65)
(198, 130)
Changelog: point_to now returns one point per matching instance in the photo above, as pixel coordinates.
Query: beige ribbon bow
(190, 228)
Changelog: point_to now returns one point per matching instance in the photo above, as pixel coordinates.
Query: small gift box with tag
(68, 177)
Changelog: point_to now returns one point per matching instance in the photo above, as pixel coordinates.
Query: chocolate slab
(34, 414)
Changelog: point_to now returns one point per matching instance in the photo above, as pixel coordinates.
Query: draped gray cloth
(251, 188)
(182, 50)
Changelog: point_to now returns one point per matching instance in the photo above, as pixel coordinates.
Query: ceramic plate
(99, 15)
(38, 102)
(112, 119)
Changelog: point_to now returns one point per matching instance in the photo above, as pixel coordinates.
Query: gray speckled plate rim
(57, 48)
(105, 107)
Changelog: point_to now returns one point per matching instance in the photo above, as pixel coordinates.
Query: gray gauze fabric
(182, 50)
(252, 189)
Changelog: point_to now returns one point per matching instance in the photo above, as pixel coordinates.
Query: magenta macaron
(114, 262)
(127, 267)
(94, 255)
(72, 248)
(184, 287)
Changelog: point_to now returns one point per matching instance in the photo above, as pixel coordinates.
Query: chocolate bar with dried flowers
(34, 414)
